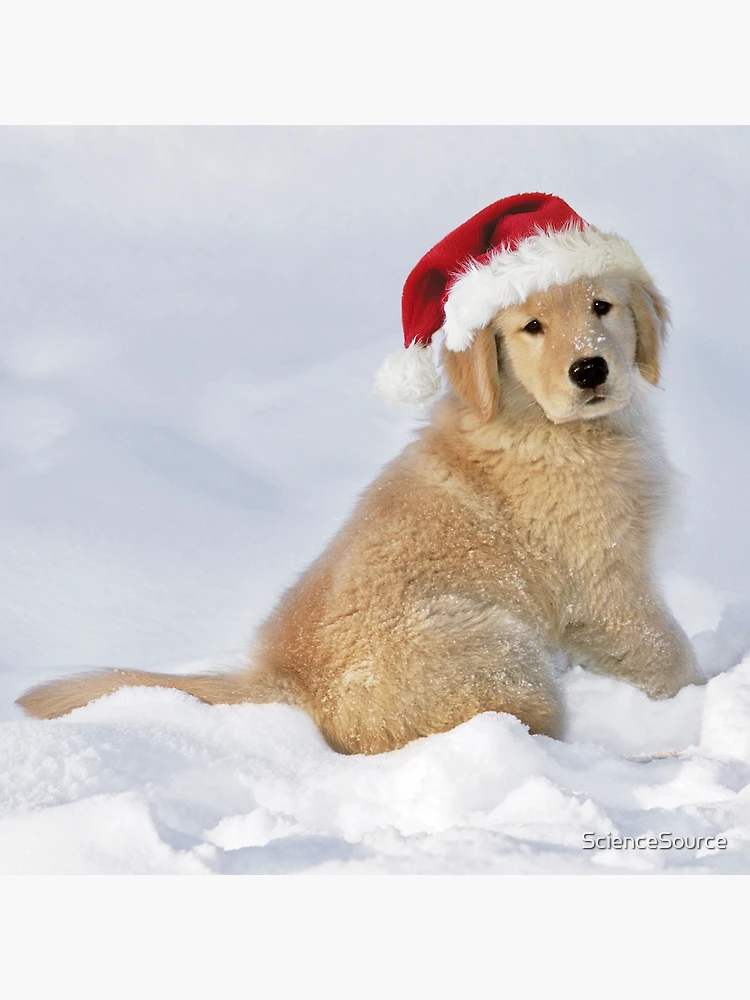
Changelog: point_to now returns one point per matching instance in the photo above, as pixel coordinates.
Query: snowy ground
(190, 324)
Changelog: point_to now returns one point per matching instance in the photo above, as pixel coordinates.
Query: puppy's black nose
(589, 372)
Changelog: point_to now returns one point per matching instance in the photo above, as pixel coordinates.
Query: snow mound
(153, 781)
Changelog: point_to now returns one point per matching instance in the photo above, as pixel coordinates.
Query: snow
(191, 322)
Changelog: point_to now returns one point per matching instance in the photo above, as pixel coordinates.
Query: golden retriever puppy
(519, 524)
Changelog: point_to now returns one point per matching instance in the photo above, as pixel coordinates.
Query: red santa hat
(517, 246)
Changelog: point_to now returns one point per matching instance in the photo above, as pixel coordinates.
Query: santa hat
(517, 246)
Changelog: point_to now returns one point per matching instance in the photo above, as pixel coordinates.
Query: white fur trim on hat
(408, 376)
(536, 264)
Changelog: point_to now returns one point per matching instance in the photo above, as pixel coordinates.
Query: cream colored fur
(519, 524)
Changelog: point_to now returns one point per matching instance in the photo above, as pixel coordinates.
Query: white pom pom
(408, 376)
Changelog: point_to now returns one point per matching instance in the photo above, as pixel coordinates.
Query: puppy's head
(577, 350)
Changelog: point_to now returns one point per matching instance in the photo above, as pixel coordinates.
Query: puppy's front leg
(639, 642)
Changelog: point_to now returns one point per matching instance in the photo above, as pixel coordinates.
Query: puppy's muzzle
(588, 373)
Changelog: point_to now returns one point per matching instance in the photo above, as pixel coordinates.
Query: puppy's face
(574, 347)
(576, 350)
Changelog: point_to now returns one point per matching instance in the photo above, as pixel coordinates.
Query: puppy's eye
(533, 327)
(602, 308)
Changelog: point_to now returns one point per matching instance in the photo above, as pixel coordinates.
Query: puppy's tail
(48, 701)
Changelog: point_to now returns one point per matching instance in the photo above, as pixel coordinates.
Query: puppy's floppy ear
(473, 373)
(651, 320)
